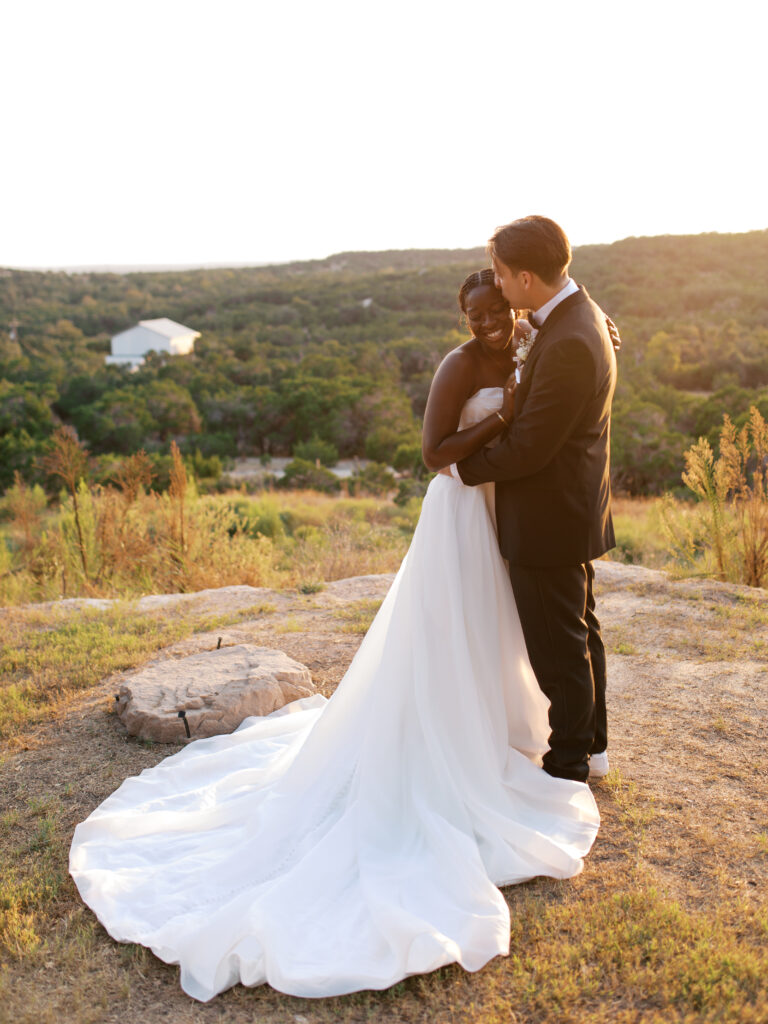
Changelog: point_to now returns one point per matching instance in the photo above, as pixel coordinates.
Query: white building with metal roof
(163, 335)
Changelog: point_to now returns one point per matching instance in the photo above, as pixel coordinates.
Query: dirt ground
(688, 720)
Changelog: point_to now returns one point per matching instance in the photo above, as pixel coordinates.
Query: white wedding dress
(345, 844)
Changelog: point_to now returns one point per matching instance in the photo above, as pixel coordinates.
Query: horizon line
(127, 268)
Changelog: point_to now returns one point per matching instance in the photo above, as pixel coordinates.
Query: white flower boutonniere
(523, 349)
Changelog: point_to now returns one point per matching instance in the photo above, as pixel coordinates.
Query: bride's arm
(442, 442)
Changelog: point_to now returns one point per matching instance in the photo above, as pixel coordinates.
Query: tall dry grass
(126, 540)
(726, 534)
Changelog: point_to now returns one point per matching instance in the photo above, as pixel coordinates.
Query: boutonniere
(524, 346)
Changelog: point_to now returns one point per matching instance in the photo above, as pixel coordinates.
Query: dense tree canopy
(341, 352)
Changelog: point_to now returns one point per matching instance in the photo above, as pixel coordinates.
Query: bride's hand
(508, 402)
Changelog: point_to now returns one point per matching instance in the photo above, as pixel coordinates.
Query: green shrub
(204, 467)
(262, 517)
(316, 450)
(408, 459)
(375, 478)
(301, 474)
(410, 488)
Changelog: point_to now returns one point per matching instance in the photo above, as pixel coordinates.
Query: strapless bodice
(479, 405)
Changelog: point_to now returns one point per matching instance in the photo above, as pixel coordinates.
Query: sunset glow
(177, 133)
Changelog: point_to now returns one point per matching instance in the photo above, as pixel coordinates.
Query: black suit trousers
(562, 634)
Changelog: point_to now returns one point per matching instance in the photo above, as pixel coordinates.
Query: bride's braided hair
(474, 280)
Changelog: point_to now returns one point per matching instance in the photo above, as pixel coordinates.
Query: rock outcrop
(211, 692)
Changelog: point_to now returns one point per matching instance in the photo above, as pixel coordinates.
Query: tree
(118, 422)
(19, 453)
(316, 450)
(171, 408)
(22, 407)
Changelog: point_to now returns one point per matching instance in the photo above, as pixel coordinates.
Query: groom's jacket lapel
(557, 314)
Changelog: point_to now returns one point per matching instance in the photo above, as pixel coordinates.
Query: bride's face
(488, 315)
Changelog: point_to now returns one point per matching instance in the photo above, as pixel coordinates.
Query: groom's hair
(532, 243)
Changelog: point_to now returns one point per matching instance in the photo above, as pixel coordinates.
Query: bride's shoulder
(456, 368)
(462, 359)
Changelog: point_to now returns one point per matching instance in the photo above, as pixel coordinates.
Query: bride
(343, 844)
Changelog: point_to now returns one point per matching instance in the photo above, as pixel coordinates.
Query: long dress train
(341, 845)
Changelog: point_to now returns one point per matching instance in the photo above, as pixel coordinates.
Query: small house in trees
(130, 347)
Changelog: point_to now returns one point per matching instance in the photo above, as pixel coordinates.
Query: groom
(552, 486)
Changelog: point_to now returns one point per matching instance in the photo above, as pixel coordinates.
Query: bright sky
(180, 131)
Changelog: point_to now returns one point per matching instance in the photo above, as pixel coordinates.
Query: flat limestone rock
(355, 588)
(216, 690)
(220, 599)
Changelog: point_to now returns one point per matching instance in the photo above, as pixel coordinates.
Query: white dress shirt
(569, 288)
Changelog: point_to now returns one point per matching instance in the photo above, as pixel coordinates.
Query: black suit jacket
(552, 465)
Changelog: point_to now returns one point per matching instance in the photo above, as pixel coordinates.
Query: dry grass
(118, 544)
(668, 923)
(733, 488)
(48, 655)
(359, 615)
(640, 537)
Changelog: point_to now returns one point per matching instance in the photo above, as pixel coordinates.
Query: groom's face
(511, 284)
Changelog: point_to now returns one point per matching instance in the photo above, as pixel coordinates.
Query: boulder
(214, 691)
